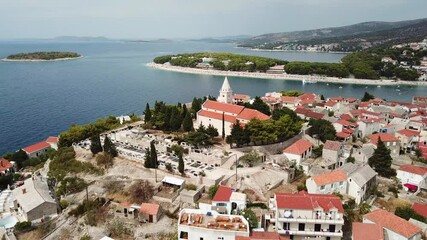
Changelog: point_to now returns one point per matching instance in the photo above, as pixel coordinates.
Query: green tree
(211, 131)
(322, 129)
(95, 144)
(317, 151)
(251, 217)
(196, 105)
(259, 105)
(223, 126)
(366, 97)
(187, 123)
(250, 158)
(19, 157)
(381, 160)
(175, 119)
(147, 114)
(212, 191)
(322, 97)
(109, 147)
(153, 155)
(181, 164)
(199, 139)
(147, 158)
(407, 212)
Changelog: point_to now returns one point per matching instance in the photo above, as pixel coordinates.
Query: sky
(150, 19)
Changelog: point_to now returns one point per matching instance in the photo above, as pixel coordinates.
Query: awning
(410, 186)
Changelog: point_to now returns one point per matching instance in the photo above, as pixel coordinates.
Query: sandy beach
(284, 76)
(39, 60)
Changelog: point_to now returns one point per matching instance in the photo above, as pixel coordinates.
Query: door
(150, 218)
(331, 228)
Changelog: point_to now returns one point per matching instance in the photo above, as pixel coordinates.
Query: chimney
(24, 191)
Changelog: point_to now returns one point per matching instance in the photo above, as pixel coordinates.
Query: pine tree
(175, 119)
(109, 147)
(184, 111)
(366, 97)
(196, 105)
(147, 158)
(322, 97)
(212, 131)
(153, 155)
(180, 164)
(147, 113)
(187, 124)
(95, 144)
(381, 160)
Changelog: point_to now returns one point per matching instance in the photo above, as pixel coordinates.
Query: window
(201, 238)
(220, 238)
(221, 204)
(183, 234)
(286, 226)
(317, 227)
(341, 183)
(301, 227)
(322, 187)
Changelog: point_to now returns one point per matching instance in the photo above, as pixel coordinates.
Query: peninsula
(42, 56)
(370, 67)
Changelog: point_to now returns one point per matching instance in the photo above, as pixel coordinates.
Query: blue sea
(38, 99)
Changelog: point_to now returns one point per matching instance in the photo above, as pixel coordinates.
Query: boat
(340, 86)
(378, 86)
(305, 81)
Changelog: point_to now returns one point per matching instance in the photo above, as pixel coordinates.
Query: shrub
(142, 191)
(169, 167)
(114, 186)
(212, 191)
(86, 237)
(23, 226)
(257, 205)
(64, 204)
(191, 187)
(119, 230)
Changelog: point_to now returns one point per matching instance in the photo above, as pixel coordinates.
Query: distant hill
(82, 39)
(362, 35)
(226, 39)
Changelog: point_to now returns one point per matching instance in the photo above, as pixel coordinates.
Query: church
(213, 112)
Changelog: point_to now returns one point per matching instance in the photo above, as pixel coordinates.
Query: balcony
(326, 220)
(310, 232)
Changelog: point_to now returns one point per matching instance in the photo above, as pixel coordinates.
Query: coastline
(291, 77)
(281, 50)
(39, 60)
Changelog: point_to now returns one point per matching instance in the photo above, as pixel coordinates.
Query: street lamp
(237, 162)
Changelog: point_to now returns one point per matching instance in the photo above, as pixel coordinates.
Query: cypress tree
(147, 158)
(184, 111)
(175, 119)
(381, 160)
(147, 113)
(322, 97)
(95, 144)
(223, 126)
(187, 124)
(109, 147)
(153, 155)
(180, 164)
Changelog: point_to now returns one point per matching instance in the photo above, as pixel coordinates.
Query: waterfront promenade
(285, 76)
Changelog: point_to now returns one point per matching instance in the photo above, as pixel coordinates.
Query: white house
(368, 126)
(33, 200)
(53, 142)
(226, 200)
(37, 149)
(412, 177)
(359, 183)
(390, 141)
(331, 153)
(299, 151)
(303, 215)
(395, 228)
(197, 224)
(328, 183)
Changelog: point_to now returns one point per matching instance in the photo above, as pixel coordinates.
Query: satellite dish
(287, 214)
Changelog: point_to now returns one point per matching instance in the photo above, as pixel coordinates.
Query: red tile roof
(288, 99)
(223, 107)
(420, 209)
(331, 177)
(149, 208)
(351, 100)
(367, 231)
(299, 147)
(342, 135)
(240, 96)
(315, 115)
(223, 194)
(336, 99)
(345, 117)
(392, 222)
(418, 170)
(217, 116)
(302, 110)
(36, 147)
(262, 236)
(249, 114)
(52, 140)
(346, 123)
(306, 201)
(307, 96)
(364, 104)
(5, 164)
(408, 133)
(307, 102)
(385, 137)
(330, 104)
(332, 145)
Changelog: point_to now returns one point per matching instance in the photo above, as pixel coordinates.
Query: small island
(42, 56)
